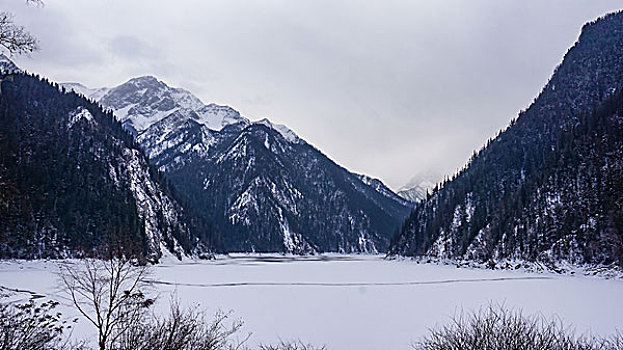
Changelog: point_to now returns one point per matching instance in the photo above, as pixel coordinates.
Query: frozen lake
(356, 302)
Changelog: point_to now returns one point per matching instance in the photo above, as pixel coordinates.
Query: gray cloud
(389, 88)
(132, 47)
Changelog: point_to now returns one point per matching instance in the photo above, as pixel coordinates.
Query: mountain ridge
(243, 174)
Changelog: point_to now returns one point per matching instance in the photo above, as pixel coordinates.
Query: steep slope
(7, 66)
(262, 187)
(550, 186)
(378, 186)
(73, 182)
(269, 194)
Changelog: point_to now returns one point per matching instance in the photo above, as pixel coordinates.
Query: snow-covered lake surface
(353, 302)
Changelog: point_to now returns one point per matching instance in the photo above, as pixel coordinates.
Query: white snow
(94, 94)
(380, 187)
(79, 114)
(186, 99)
(217, 117)
(416, 192)
(145, 114)
(141, 122)
(286, 132)
(7, 66)
(291, 240)
(353, 302)
(237, 151)
(240, 210)
(150, 201)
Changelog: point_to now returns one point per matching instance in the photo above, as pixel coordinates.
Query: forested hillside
(550, 186)
(73, 182)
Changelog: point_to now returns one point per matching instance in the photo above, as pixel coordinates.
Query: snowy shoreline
(566, 268)
(330, 299)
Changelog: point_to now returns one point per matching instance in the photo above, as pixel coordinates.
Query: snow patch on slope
(245, 204)
(286, 132)
(7, 66)
(80, 114)
(151, 203)
(415, 190)
(217, 117)
(291, 240)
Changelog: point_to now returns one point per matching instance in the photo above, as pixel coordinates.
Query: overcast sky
(392, 89)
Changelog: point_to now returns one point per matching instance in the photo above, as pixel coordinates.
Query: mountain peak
(144, 79)
(286, 132)
(415, 190)
(74, 85)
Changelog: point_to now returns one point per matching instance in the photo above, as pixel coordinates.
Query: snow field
(350, 302)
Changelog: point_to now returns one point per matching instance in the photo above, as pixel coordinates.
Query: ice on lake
(352, 302)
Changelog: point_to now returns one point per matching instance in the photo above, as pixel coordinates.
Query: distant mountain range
(260, 186)
(550, 186)
(416, 189)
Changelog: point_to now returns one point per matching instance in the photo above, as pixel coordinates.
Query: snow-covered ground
(353, 302)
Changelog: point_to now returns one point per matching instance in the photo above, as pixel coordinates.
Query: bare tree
(15, 39)
(109, 294)
(34, 326)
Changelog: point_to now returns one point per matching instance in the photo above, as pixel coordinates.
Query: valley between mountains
(234, 213)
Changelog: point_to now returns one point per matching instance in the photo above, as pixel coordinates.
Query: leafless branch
(33, 326)
(108, 293)
(15, 39)
(184, 329)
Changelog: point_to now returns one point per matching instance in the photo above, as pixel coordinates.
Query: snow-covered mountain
(94, 94)
(260, 185)
(415, 190)
(378, 186)
(85, 187)
(7, 66)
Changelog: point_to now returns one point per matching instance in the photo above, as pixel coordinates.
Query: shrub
(31, 326)
(498, 328)
(291, 345)
(182, 329)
